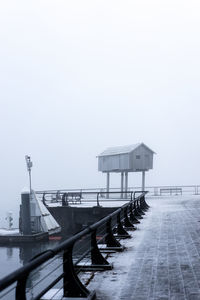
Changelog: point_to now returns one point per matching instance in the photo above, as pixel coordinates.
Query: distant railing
(175, 190)
(66, 198)
(98, 195)
(83, 251)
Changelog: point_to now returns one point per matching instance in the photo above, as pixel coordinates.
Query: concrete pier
(74, 219)
(162, 260)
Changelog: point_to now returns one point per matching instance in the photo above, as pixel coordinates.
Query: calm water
(11, 258)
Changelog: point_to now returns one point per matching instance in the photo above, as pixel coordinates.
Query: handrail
(65, 201)
(20, 276)
(130, 188)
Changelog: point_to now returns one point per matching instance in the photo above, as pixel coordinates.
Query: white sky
(79, 76)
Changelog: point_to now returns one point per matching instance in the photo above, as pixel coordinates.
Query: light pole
(29, 165)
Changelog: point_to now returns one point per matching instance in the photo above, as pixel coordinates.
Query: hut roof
(122, 149)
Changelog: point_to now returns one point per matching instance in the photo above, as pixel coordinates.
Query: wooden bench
(171, 191)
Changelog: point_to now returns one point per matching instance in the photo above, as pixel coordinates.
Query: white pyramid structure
(47, 221)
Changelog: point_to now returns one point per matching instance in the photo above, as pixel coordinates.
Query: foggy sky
(80, 76)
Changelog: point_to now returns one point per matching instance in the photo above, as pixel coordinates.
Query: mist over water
(78, 77)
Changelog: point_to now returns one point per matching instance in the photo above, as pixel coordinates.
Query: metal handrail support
(72, 286)
(132, 217)
(136, 212)
(21, 288)
(143, 204)
(127, 222)
(121, 232)
(139, 209)
(98, 199)
(110, 240)
(96, 256)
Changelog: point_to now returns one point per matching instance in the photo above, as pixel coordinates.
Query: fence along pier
(68, 259)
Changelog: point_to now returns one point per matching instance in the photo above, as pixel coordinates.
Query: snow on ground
(4, 231)
(108, 284)
(162, 259)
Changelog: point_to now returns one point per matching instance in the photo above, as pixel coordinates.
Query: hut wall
(114, 163)
(141, 159)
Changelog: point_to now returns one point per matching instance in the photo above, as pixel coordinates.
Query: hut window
(137, 156)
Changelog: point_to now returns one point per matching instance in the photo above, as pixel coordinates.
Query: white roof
(121, 149)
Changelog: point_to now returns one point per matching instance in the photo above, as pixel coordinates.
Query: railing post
(127, 223)
(43, 199)
(110, 240)
(145, 204)
(132, 217)
(121, 232)
(72, 286)
(136, 212)
(139, 201)
(142, 204)
(97, 258)
(21, 288)
(139, 207)
(98, 199)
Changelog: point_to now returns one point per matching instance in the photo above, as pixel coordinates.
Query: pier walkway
(162, 260)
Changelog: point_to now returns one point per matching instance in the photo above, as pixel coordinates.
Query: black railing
(153, 190)
(67, 260)
(66, 198)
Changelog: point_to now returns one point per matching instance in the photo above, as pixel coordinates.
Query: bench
(170, 191)
(55, 197)
(74, 197)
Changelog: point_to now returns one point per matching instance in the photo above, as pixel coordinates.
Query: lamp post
(29, 165)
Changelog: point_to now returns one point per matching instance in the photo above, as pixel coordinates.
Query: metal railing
(66, 261)
(66, 198)
(174, 190)
(153, 190)
(99, 196)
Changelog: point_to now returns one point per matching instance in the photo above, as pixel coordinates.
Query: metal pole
(29, 165)
(108, 184)
(98, 199)
(126, 184)
(122, 184)
(143, 180)
(30, 181)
